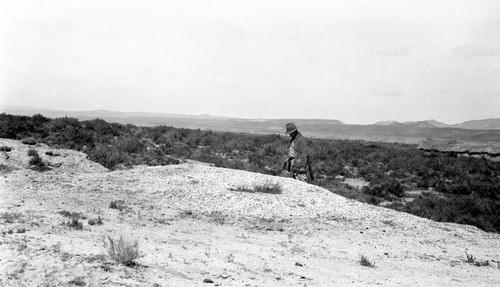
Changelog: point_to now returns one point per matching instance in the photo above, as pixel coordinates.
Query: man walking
(297, 162)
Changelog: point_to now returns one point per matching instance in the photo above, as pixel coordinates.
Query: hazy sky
(356, 61)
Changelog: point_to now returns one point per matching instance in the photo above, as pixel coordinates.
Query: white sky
(356, 61)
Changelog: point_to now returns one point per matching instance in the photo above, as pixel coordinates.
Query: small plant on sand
(269, 186)
(28, 141)
(78, 281)
(117, 204)
(482, 263)
(70, 214)
(217, 217)
(74, 224)
(96, 221)
(121, 250)
(5, 168)
(36, 161)
(364, 261)
(470, 258)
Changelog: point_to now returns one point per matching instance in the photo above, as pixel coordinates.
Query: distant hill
(486, 124)
(422, 124)
(387, 123)
(103, 114)
(482, 131)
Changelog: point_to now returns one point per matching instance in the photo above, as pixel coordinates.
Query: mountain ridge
(489, 123)
(415, 132)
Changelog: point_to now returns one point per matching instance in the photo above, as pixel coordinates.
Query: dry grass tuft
(121, 250)
(470, 258)
(269, 186)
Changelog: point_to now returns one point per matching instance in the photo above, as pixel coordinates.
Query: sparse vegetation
(5, 148)
(462, 190)
(364, 261)
(217, 217)
(5, 168)
(472, 260)
(483, 263)
(70, 214)
(117, 204)
(187, 214)
(10, 217)
(74, 224)
(121, 250)
(78, 281)
(28, 141)
(272, 187)
(36, 161)
(12, 231)
(96, 221)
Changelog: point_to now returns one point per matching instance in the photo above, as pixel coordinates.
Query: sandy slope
(193, 224)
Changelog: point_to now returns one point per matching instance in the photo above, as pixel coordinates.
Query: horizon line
(29, 108)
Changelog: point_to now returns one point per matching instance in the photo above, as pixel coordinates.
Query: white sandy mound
(203, 226)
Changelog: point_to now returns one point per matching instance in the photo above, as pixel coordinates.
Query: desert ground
(198, 225)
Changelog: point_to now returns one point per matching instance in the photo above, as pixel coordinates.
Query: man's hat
(290, 128)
